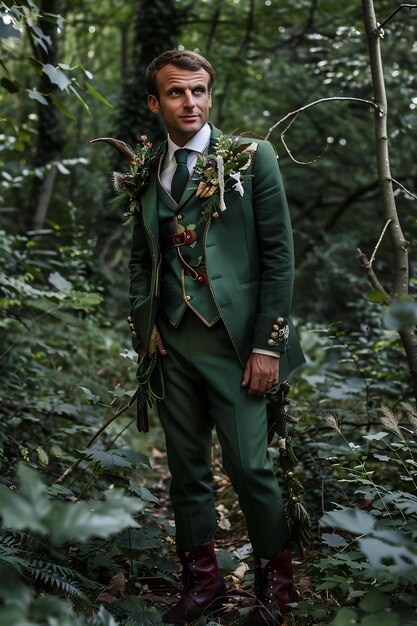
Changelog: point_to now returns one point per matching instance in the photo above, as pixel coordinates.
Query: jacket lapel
(150, 206)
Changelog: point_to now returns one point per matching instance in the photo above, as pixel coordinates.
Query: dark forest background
(87, 533)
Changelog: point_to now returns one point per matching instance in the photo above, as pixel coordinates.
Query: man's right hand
(160, 344)
(156, 340)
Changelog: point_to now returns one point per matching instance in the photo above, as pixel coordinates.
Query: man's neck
(196, 143)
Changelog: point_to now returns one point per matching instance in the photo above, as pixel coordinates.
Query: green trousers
(203, 389)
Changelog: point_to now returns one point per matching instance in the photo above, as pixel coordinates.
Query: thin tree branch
(102, 428)
(384, 230)
(410, 7)
(403, 188)
(289, 151)
(371, 274)
(370, 103)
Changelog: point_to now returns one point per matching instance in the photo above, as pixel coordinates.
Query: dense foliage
(86, 534)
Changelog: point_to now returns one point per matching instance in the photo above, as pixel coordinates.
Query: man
(217, 286)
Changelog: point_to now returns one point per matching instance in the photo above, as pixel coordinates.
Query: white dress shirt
(197, 144)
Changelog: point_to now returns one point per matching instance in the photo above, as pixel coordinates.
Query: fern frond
(63, 578)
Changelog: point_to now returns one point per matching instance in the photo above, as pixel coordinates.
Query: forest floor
(232, 543)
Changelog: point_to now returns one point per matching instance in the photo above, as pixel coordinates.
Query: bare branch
(410, 7)
(367, 267)
(403, 188)
(370, 103)
(384, 230)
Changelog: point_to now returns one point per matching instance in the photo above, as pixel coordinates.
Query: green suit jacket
(249, 259)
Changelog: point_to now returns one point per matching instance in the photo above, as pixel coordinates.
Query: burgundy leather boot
(274, 589)
(204, 590)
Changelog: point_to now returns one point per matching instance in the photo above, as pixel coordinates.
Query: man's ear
(153, 104)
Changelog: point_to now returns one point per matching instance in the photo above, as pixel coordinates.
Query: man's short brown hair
(185, 59)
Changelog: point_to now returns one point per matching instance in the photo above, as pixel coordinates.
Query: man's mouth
(189, 118)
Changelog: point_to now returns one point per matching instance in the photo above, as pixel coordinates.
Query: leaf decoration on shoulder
(130, 186)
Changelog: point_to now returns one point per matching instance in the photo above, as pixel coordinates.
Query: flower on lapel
(229, 161)
(131, 185)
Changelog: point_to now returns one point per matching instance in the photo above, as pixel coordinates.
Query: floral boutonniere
(229, 161)
(131, 185)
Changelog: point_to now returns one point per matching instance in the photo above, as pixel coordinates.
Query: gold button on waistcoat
(187, 297)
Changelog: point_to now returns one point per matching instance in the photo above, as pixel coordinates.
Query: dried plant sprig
(410, 413)
(332, 422)
(390, 421)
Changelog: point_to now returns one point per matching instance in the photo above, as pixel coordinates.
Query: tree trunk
(50, 137)
(398, 241)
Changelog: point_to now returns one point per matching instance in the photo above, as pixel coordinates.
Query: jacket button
(271, 342)
(188, 298)
(134, 333)
(179, 217)
(215, 215)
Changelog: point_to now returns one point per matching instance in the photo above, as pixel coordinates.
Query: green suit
(209, 331)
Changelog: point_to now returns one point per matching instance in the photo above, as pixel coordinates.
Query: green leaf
(56, 76)
(110, 460)
(389, 547)
(59, 282)
(381, 619)
(374, 295)
(13, 590)
(103, 618)
(12, 86)
(70, 521)
(374, 601)
(333, 540)
(61, 107)
(140, 539)
(35, 95)
(355, 521)
(136, 609)
(376, 436)
(98, 95)
(345, 617)
(28, 508)
(80, 99)
(227, 561)
(90, 395)
(401, 315)
(143, 493)
(43, 457)
(14, 616)
(135, 457)
(83, 300)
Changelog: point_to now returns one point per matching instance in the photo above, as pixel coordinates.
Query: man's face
(184, 101)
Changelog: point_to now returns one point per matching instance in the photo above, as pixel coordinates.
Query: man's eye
(174, 92)
(198, 90)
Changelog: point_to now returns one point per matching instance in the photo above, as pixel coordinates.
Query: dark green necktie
(181, 174)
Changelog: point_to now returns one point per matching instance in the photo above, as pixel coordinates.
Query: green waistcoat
(178, 290)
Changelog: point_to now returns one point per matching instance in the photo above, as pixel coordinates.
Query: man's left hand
(261, 373)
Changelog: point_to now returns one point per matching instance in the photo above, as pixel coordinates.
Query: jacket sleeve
(140, 270)
(274, 234)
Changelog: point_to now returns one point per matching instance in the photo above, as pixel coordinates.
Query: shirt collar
(197, 143)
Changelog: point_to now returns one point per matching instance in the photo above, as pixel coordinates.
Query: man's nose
(189, 99)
